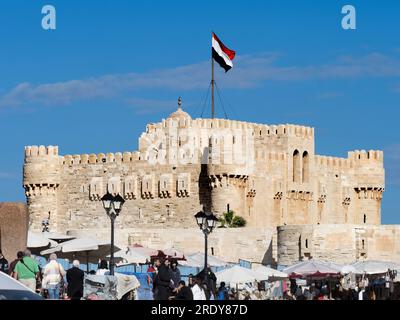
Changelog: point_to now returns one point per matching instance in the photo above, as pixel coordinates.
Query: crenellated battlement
(332, 162)
(354, 159)
(118, 157)
(363, 157)
(39, 151)
(258, 129)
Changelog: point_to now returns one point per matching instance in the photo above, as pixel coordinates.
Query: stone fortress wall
(270, 175)
(342, 243)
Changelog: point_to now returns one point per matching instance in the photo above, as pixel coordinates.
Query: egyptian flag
(222, 54)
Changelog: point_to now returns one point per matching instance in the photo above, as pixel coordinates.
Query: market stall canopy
(38, 240)
(197, 260)
(174, 254)
(130, 257)
(239, 275)
(84, 249)
(311, 268)
(374, 267)
(148, 252)
(192, 262)
(58, 237)
(348, 269)
(271, 273)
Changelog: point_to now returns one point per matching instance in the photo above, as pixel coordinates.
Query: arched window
(363, 244)
(296, 166)
(307, 243)
(306, 169)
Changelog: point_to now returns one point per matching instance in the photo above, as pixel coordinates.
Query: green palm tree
(230, 220)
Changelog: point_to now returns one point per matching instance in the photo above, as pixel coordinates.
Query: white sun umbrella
(130, 257)
(333, 265)
(239, 275)
(374, 267)
(88, 249)
(174, 253)
(191, 262)
(212, 261)
(311, 268)
(348, 269)
(38, 240)
(271, 273)
(343, 268)
(148, 252)
(58, 237)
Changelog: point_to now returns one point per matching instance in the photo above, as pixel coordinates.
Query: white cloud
(249, 71)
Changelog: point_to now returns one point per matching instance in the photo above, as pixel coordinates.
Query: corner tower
(41, 180)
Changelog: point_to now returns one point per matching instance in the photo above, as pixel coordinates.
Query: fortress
(297, 204)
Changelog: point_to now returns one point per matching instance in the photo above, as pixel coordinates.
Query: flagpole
(212, 86)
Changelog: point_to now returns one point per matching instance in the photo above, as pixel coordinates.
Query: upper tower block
(364, 158)
(370, 172)
(41, 166)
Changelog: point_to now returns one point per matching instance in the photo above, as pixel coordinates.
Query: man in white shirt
(198, 290)
(53, 277)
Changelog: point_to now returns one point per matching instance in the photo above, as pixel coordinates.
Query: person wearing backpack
(27, 271)
(53, 277)
(222, 292)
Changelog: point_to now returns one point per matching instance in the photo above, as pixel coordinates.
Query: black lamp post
(112, 205)
(206, 221)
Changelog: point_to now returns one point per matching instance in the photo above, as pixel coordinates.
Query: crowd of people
(53, 282)
(337, 289)
(48, 281)
(168, 285)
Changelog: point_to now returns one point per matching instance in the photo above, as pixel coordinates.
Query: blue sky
(111, 67)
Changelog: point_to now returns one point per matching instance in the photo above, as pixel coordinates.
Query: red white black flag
(221, 53)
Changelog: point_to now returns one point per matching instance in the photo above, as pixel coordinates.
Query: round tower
(41, 179)
(228, 191)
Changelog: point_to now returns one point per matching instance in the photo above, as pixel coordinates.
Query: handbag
(44, 283)
(62, 283)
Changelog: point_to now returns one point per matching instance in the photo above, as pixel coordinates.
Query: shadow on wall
(268, 258)
(204, 188)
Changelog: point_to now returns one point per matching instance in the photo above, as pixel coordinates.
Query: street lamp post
(206, 221)
(112, 205)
